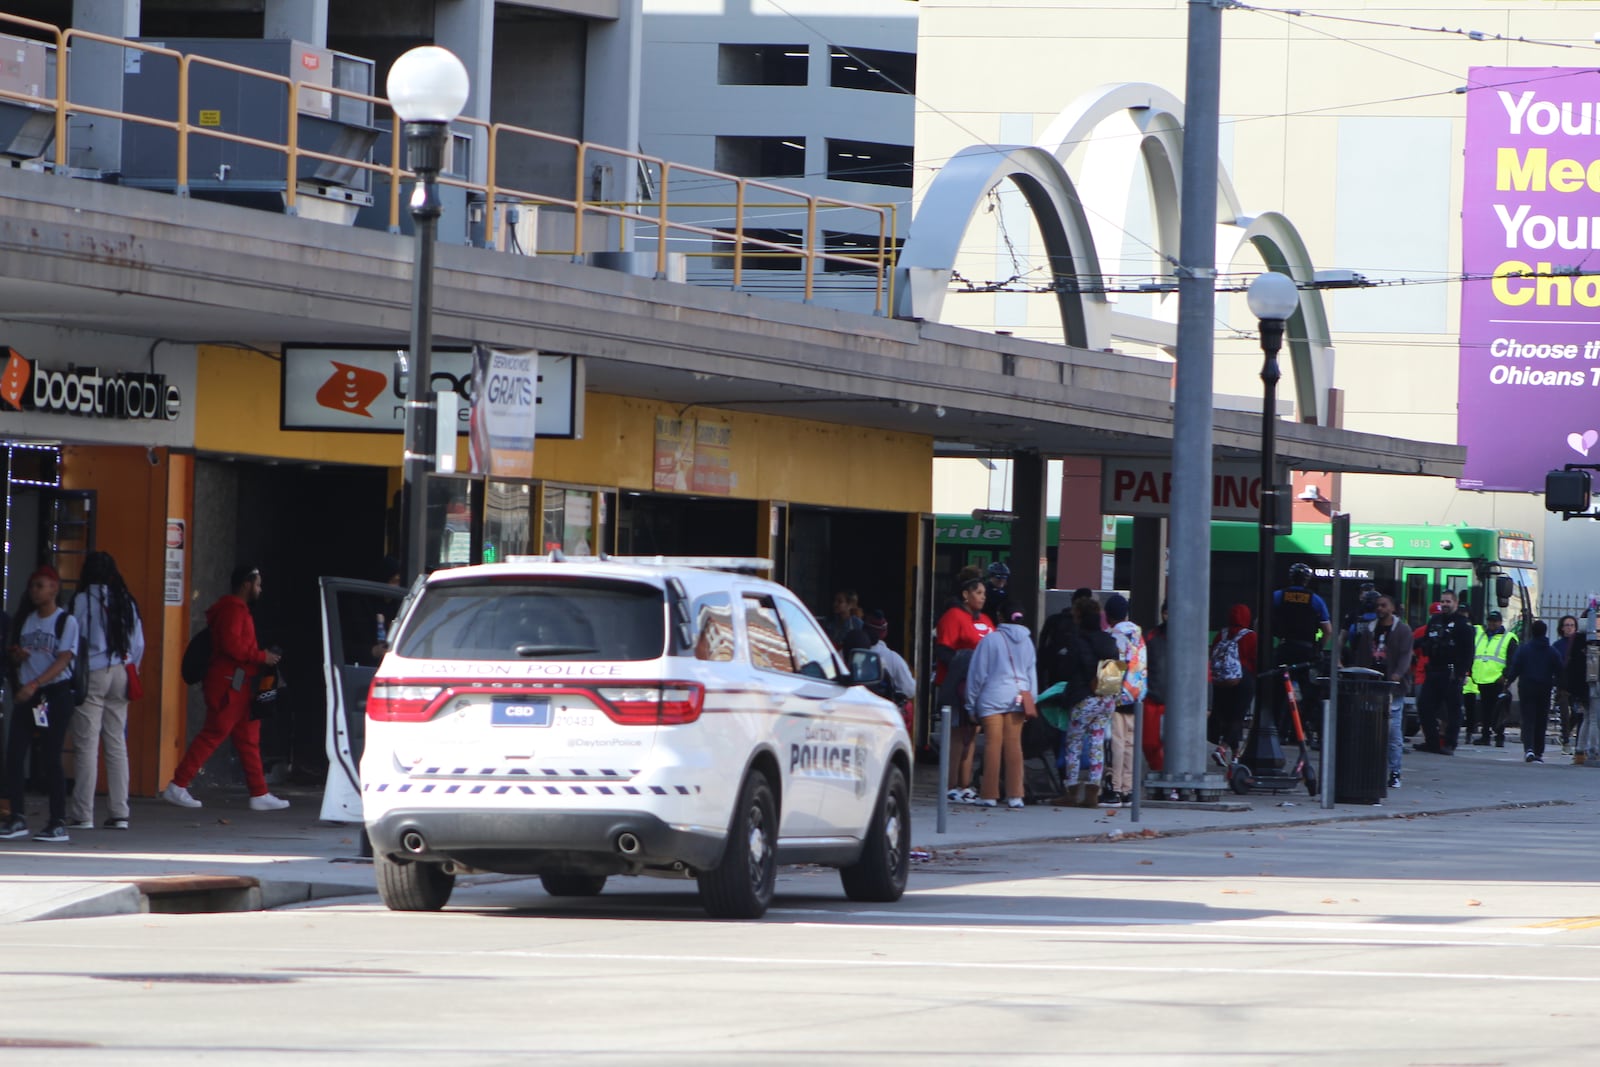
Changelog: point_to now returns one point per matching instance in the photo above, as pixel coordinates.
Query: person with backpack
(1077, 665)
(229, 686)
(46, 643)
(1001, 683)
(108, 618)
(960, 629)
(1233, 679)
(1130, 651)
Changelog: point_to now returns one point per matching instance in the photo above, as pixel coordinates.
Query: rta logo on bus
(85, 391)
(1364, 540)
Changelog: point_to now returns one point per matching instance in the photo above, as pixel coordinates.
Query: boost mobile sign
(354, 389)
(85, 391)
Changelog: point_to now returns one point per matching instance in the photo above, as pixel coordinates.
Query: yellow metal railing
(496, 187)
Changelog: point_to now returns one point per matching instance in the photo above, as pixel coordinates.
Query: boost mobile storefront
(93, 431)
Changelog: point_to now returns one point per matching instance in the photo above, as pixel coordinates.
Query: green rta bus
(1412, 563)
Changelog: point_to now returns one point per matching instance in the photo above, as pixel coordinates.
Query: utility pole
(1189, 582)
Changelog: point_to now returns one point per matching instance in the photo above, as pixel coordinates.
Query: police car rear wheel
(880, 874)
(564, 884)
(412, 886)
(740, 886)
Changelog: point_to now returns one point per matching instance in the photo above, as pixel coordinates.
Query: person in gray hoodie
(1001, 682)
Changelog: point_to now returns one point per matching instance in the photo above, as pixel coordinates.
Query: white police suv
(582, 719)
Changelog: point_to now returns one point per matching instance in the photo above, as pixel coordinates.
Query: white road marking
(1057, 968)
(990, 921)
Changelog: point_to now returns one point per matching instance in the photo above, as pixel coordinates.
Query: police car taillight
(402, 703)
(652, 705)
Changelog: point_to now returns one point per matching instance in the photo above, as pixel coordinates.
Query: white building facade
(1350, 120)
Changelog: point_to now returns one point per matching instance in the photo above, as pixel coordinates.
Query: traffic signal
(1567, 491)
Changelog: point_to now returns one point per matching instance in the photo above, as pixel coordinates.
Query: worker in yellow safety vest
(1492, 652)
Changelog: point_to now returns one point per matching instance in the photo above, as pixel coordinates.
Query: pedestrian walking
(1001, 684)
(46, 638)
(1535, 669)
(236, 662)
(108, 617)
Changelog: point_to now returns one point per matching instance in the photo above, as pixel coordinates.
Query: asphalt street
(1459, 939)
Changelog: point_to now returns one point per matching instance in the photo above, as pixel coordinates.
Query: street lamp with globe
(1273, 298)
(427, 88)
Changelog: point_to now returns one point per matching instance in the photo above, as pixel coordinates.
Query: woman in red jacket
(960, 629)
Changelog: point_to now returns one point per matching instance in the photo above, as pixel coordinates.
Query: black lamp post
(427, 89)
(1273, 298)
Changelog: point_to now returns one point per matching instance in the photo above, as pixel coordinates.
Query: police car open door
(352, 646)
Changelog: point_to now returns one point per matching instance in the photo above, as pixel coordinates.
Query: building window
(873, 69)
(759, 257)
(762, 64)
(762, 157)
(859, 246)
(869, 162)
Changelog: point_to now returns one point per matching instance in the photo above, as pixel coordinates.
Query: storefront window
(507, 520)
(449, 522)
(569, 520)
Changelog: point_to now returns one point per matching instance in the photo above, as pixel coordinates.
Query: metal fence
(728, 237)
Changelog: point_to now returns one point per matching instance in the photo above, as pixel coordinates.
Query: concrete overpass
(90, 255)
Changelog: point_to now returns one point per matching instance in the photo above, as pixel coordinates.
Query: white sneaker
(979, 802)
(267, 802)
(177, 794)
(1015, 803)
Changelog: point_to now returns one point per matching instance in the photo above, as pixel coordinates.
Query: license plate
(533, 711)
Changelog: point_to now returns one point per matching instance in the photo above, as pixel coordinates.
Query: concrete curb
(1136, 831)
(76, 900)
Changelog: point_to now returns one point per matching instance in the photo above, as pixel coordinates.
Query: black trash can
(1361, 737)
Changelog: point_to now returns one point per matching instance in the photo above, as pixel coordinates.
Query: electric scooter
(1242, 780)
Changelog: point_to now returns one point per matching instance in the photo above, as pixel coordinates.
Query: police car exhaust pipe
(627, 844)
(413, 842)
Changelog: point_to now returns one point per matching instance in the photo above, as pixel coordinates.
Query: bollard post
(944, 768)
(1138, 757)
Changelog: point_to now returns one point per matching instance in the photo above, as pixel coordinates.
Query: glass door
(1416, 593)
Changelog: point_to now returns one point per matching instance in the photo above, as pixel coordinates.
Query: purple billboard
(1529, 397)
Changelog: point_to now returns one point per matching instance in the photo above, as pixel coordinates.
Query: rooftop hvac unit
(27, 68)
(231, 101)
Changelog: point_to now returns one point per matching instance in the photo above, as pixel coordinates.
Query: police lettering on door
(824, 755)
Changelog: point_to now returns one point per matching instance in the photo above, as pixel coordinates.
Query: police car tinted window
(714, 628)
(813, 652)
(540, 618)
(769, 649)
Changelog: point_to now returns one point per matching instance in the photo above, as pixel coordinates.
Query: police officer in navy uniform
(1450, 642)
(1301, 625)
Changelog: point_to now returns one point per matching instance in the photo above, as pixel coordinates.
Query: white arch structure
(1088, 319)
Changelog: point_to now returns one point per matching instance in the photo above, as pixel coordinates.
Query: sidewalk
(224, 857)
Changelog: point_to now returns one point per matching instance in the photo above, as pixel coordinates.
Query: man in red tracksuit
(236, 660)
